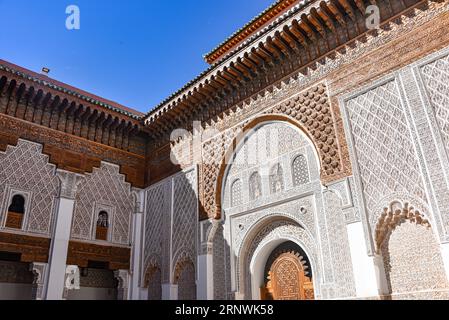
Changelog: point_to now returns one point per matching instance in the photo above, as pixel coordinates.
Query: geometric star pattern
(25, 168)
(104, 186)
(436, 80)
(386, 156)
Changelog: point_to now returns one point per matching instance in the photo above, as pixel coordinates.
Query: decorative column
(381, 276)
(205, 285)
(445, 256)
(40, 273)
(123, 282)
(61, 234)
(137, 243)
(367, 271)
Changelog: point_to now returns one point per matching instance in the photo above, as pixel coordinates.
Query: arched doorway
(153, 281)
(411, 254)
(268, 198)
(288, 275)
(185, 279)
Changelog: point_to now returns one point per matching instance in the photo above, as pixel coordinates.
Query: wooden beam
(316, 25)
(271, 44)
(348, 8)
(233, 67)
(267, 53)
(361, 6)
(285, 44)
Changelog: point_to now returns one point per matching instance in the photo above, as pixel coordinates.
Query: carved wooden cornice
(76, 131)
(40, 102)
(301, 39)
(32, 249)
(41, 81)
(80, 253)
(250, 29)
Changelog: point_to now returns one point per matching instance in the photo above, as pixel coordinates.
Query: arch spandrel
(311, 112)
(238, 141)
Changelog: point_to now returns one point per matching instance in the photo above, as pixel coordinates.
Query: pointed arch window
(300, 171)
(102, 226)
(276, 179)
(255, 186)
(16, 212)
(236, 193)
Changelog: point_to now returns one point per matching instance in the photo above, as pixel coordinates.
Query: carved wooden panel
(101, 233)
(32, 249)
(80, 253)
(14, 220)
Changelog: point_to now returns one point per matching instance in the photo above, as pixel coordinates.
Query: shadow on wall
(95, 284)
(406, 242)
(170, 250)
(16, 279)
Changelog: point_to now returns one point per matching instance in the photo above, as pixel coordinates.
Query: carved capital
(138, 197)
(69, 183)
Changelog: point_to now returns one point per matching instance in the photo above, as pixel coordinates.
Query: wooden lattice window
(102, 226)
(16, 211)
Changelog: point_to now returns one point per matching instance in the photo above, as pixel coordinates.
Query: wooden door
(288, 279)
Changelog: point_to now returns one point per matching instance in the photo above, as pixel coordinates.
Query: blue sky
(133, 52)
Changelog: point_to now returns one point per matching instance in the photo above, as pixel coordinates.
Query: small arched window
(102, 226)
(300, 171)
(16, 211)
(236, 193)
(255, 186)
(276, 179)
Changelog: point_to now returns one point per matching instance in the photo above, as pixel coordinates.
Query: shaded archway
(185, 278)
(153, 282)
(97, 282)
(411, 254)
